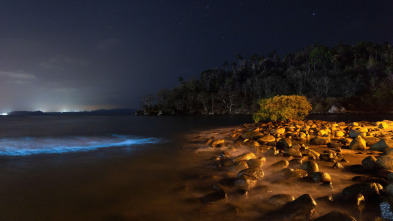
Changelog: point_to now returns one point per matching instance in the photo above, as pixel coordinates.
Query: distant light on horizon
(4, 114)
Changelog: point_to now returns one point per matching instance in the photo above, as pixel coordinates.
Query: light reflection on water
(41, 145)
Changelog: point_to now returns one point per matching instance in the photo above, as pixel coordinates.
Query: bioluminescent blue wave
(40, 145)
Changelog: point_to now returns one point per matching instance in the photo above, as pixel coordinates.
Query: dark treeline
(358, 77)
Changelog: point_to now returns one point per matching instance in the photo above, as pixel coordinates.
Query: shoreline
(226, 152)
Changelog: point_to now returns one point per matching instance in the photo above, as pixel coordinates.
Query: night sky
(83, 55)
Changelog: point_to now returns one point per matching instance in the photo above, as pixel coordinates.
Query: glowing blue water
(40, 145)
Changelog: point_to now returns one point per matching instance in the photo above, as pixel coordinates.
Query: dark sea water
(95, 168)
(102, 168)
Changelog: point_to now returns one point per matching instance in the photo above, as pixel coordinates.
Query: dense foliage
(282, 108)
(358, 77)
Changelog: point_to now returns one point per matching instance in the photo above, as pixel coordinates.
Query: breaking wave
(40, 145)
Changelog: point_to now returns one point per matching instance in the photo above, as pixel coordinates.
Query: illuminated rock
(320, 140)
(279, 200)
(256, 163)
(359, 131)
(217, 143)
(245, 183)
(321, 177)
(358, 144)
(267, 139)
(284, 144)
(369, 162)
(382, 145)
(300, 209)
(280, 164)
(244, 156)
(368, 190)
(256, 173)
(385, 162)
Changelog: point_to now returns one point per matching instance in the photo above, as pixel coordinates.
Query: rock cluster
(293, 152)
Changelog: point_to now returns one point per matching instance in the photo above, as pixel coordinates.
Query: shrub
(282, 108)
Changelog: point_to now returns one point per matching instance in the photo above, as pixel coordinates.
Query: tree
(352, 74)
(282, 108)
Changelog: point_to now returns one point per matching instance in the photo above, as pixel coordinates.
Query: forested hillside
(358, 77)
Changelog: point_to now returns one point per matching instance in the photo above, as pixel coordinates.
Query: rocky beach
(299, 170)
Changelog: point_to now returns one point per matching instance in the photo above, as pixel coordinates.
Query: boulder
(369, 162)
(358, 131)
(382, 125)
(370, 140)
(353, 124)
(382, 145)
(272, 151)
(251, 172)
(284, 144)
(277, 131)
(346, 141)
(215, 196)
(320, 140)
(236, 166)
(336, 216)
(244, 156)
(339, 133)
(300, 209)
(369, 179)
(310, 166)
(337, 165)
(245, 183)
(368, 190)
(251, 135)
(296, 175)
(388, 152)
(302, 135)
(322, 132)
(295, 162)
(294, 152)
(321, 177)
(267, 139)
(334, 145)
(280, 164)
(217, 143)
(280, 200)
(358, 144)
(313, 153)
(328, 156)
(358, 202)
(256, 163)
(305, 128)
(385, 162)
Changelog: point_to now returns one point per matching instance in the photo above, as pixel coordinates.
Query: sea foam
(41, 145)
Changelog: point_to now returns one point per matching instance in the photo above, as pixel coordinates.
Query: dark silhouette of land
(103, 112)
(358, 77)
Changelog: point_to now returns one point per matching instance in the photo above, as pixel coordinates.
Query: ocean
(96, 168)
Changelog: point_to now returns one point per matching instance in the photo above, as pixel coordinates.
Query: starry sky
(90, 54)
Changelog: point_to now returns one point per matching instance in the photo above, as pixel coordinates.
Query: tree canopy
(359, 77)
